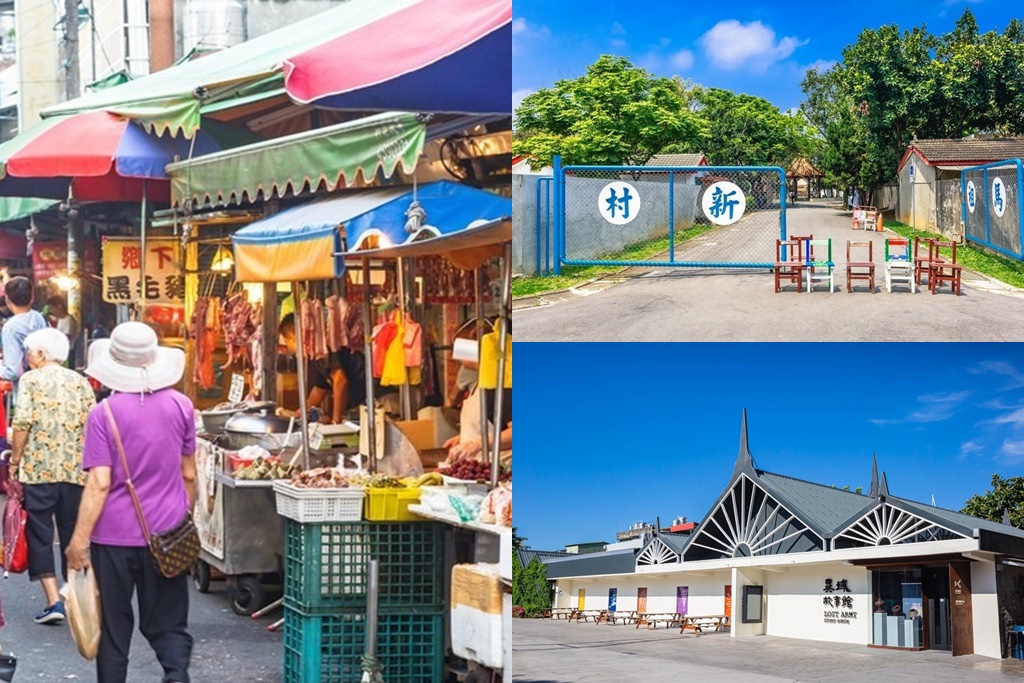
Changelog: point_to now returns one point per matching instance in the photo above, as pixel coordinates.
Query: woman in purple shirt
(157, 430)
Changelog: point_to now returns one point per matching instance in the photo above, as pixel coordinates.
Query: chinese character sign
(121, 278)
(998, 197)
(972, 196)
(618, 202)
(839, 606)
(724, 203)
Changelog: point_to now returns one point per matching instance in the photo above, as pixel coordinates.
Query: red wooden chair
(860, 270)
(942, 270)
(789, 263)
(923, 257)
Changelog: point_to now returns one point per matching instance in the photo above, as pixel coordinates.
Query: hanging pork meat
(236, 319)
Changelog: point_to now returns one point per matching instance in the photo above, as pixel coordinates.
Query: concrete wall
(590, 236)
(524, 225)
(796, 610)
(917, 203)
(741, 578)
(985, 608)
(706, 594)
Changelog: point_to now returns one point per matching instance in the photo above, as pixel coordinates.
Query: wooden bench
(609, 616)
(561, 612)
(699, 624)
(654, 618)
(584, 614)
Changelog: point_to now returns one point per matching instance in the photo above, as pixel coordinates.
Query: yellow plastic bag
(82, 601)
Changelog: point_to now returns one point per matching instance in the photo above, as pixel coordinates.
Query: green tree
(614, 114)
(517, 540)
(1005, 494)
(531, 589)
(831, 109)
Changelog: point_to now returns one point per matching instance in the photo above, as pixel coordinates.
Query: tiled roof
(675, 160)
(803, 168)
(961, 150)
(823, 507)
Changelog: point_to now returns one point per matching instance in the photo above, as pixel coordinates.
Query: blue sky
(610, 434)
(761, 49)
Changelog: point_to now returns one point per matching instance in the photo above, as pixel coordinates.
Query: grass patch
(973, 258)
(574, 275)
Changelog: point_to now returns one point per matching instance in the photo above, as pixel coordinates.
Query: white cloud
(518, 26)
(651, 61)
(969, 448)
(821, 65)
(618, 29)
(665, 42)
(523, 30)
(518, 95)
(682, 60)
(731, 44)
(931, 408)
(1015, 376)
(1012, 450)
(618, 43)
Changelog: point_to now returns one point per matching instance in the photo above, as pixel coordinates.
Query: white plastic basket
(318, 505)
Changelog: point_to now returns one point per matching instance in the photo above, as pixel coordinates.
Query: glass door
(936, 588)
(897, 619)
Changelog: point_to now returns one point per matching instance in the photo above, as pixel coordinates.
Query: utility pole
(72, 87)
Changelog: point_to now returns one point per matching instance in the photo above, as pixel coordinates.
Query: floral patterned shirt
(53, 405)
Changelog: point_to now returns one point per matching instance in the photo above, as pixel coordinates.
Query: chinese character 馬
(614, 202)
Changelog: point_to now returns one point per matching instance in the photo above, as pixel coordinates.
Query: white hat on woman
(132, 362)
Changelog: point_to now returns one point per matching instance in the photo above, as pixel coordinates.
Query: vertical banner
(613, 598)
(581, 599)
(641, 599)
(728, 601)
(682, 598)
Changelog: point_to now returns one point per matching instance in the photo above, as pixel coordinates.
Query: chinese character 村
(721, 202)
(614, 201)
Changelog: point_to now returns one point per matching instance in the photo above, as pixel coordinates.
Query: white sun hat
(132, 362)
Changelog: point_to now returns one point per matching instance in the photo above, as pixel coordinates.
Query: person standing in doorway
(62, 320)
(20, 294)
(46, 456)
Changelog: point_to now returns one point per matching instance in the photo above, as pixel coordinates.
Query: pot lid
(253, 423)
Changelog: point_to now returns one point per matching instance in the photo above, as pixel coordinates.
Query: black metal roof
(593, 564)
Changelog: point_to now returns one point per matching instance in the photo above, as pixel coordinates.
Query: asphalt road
(227, 647)
(705, 305)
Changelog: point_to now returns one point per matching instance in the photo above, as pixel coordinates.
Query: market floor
(680, 305)
(547, 651)
(227, 647)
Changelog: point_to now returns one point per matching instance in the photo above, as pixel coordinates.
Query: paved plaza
(669, 304)
(555, 651)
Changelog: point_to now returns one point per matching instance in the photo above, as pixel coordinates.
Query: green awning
(171, 100)
(336, 155)
(13, 208)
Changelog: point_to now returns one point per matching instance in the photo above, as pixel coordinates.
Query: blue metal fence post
(963, 203)
(1020, 209)
(539, 183)
(988, 222)
(556, 166)
(671, 218)
(782, 202)
(547, 225)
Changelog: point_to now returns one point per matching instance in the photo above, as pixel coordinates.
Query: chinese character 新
(827, 601)
(720, 203)
(619, 202)
(174, 287)
(842, 586)
(998, 200)
(130, 257)
(118, 288)
(828, 586)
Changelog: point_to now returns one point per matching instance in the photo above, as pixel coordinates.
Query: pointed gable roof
(873, 491)
(744, 460)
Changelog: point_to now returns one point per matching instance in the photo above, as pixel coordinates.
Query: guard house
(786, 557)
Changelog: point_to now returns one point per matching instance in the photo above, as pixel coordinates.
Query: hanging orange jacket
(393, 372)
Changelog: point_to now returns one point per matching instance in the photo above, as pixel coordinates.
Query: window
(752, 604)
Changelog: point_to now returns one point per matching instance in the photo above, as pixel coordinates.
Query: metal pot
(215, 421)
(251, 429)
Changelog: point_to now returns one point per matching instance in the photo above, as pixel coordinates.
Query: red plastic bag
(15, 558)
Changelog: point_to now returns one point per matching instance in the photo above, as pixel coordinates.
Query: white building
(786, 557)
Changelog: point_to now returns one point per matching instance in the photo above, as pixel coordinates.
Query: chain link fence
(693, 216)
(992, 213)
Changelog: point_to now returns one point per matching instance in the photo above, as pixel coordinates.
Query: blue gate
(661, 216)
(991, 210)
(544, 226)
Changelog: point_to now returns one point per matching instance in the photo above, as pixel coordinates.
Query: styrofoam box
(481, 615)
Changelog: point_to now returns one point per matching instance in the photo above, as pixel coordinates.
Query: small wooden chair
(943, 270)
(898, 264)
(860, 270)
(789, 263)
(923, 258)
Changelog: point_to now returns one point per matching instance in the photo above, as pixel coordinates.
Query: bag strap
(127, 473)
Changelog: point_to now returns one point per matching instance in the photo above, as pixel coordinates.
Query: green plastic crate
(325, 565)
(329, 648)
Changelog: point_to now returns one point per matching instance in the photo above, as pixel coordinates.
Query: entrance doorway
(936, 591)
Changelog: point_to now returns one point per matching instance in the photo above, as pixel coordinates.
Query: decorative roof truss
(750, 522)
(887, 525)
(657, 552)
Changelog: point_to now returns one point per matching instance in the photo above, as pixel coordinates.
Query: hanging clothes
(394, 371)
(383, 335)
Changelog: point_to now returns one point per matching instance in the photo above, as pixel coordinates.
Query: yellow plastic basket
(391, 505)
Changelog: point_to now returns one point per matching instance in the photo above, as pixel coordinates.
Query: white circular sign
(724, 203)
(972, 196)
(618, 202)
(998, 197)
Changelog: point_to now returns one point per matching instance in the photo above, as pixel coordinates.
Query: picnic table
(584, 614)
(654, 618)
(699, 624)
(610, 616)
(561, 612)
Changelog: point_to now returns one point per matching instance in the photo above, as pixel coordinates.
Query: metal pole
(142, 256)
(368, 353)
(556, 165)
(404, 391)
(301, 372)
(478, 283)
(371, 667)
(671, 224)
(499, 396)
